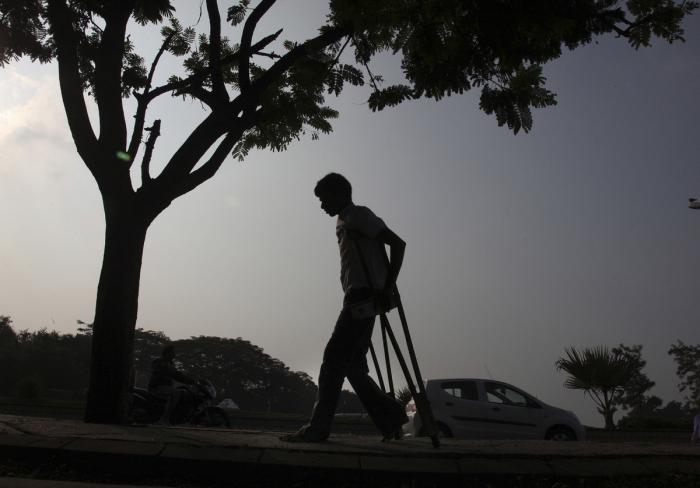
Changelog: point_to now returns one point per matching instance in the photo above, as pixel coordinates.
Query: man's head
(335, 193)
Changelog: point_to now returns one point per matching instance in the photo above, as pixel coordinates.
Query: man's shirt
(354, 220)
(164, 373)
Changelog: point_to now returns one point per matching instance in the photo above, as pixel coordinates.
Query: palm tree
(403, 396)
(600, 373)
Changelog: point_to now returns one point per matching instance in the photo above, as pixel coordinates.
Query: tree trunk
(609, 423)
(608, 411)
(111, 371)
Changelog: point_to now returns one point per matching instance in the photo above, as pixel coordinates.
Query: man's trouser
(345, 356)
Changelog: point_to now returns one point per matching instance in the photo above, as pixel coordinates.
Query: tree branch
(217, 79)
(150, 144)
(287, 61)
(200, 94)
(209, 169)
(199, 77)
(142, 103)
(246, 38)
(66, 41)
(108, 71)
(194, 147)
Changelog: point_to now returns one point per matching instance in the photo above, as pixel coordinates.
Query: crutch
(417, 389)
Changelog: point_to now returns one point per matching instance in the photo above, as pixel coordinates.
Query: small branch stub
(154, 132)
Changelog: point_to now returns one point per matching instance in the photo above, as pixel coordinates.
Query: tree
(687, 358)
(633, 394)
(242, 371)
(446, 47)
(600, 373)
(7, 333)
(404, 396)
(652, 415)
(36, 361)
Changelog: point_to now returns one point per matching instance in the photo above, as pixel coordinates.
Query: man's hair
(334, 183)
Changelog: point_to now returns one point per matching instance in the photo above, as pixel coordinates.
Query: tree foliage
(687, 358)
(35, 363)
(634, 393)
(651, 415)
(446, 46)
(600, 373)
(47, 363)
(242, 371)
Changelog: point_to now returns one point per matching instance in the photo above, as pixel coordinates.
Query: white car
(486, 409)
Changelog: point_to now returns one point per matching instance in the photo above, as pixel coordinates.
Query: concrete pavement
(190, 450)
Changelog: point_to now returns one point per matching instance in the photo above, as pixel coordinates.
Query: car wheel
(560, 433)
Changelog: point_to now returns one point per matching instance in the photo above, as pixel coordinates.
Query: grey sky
(518, 246)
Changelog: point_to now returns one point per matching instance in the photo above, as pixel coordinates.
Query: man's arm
(178, 375)
(397, 247)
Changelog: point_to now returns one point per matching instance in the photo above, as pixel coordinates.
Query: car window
(497, 393)
(466, 390)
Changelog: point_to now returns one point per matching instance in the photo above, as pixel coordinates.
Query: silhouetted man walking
(345, 353)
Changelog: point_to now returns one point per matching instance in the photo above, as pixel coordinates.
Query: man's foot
(396, 432)
(395, 435)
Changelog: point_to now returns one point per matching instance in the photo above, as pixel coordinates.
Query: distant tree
(148, 344)
(8, 355)
(687, 358)
(653, 416)
(47, 360)
(446, 47)
(600, 373)
(7, 333)
(633, 394)
(403, 395)
(243, 372)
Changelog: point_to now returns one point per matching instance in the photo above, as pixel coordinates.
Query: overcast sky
(577, 234)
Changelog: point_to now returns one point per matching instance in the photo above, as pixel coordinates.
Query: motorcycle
(195, 407)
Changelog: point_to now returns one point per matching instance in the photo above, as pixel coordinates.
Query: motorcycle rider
(164, 379)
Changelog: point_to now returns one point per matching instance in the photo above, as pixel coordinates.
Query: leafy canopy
(600, 373)
(687, 358)
(446, 47)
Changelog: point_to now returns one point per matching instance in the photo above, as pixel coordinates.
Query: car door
(461, 409)
(512, 413)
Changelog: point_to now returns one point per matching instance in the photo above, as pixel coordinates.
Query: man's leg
(340, 350)
(384, 410)
(172, 397)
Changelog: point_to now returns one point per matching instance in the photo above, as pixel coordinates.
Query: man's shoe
(396, 433)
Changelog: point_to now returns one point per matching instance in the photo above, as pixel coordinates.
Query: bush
(651, 423)
(28, 388)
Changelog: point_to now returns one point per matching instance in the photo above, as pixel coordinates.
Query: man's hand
(387, 299)
(396, 251)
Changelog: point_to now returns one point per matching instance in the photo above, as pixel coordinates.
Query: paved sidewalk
(200, 448)
(31, 483)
